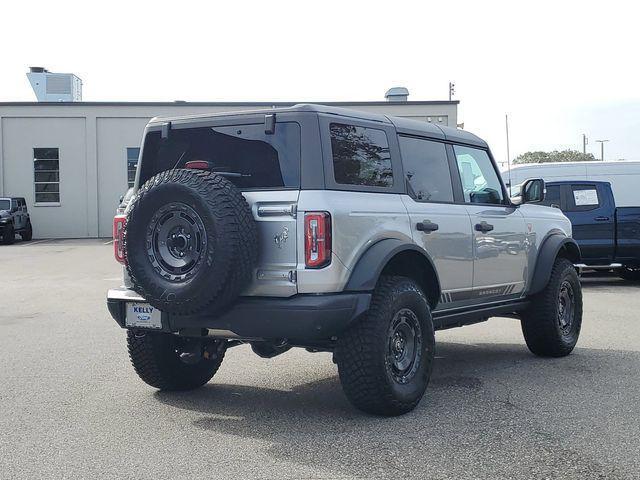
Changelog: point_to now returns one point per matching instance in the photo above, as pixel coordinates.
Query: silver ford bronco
(331, 230)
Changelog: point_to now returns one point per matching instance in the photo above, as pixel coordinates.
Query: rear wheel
(8, 235)
(169, 362)
(385, 359)
(27, 233)
(551, 325)
(630, 273)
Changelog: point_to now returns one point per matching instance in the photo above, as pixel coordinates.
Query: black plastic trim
(370, 265)
(547, 255)
(298, 318)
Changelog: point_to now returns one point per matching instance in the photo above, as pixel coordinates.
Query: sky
(558, 69)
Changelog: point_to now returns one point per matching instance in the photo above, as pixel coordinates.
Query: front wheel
(385, 359)
(630, 273)
(8, 235)
(27, 234)
(169, 362)
(551, 325)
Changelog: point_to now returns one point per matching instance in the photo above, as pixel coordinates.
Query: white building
(72, 161)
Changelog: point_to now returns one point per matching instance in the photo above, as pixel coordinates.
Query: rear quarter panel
(359, 219)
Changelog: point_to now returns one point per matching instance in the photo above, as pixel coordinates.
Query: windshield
(245, 154)
(5, 204)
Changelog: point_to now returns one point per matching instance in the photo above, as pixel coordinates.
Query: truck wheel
(168, 362)
(27, 233)
(551, 325)
(191, 242)
(385, 359)
(630, 273)
(8, 235)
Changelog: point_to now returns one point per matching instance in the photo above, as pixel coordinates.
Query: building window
(46, 175)
(360, 156)
(132, 164)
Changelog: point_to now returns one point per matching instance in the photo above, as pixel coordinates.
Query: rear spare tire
(191, 242)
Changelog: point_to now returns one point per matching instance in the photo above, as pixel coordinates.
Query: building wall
(92, 140)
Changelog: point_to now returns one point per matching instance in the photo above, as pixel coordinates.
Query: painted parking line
(33, 242)
(108, 243)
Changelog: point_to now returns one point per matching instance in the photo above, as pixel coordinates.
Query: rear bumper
(301, 317)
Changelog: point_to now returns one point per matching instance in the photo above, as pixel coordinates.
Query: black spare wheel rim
(404, 351)
(176, 241)
(566, 307)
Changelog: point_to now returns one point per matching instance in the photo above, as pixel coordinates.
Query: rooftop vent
(54, 87)
(397, 94)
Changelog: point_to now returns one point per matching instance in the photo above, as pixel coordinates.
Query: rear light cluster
(119, 224)
(317, 239)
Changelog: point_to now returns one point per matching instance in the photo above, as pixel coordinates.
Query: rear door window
(244, 154)
(361, 156)
(427, 169)
(583, 198)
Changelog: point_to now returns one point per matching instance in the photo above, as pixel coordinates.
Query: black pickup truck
(608, 236)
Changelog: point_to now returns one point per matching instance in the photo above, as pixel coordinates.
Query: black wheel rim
(176, 241)
(404, 349)
(566, 307)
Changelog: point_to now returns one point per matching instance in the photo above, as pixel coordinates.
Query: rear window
(244, 154)
(5, 204)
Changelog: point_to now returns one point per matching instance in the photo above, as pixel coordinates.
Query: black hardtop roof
(403, 125)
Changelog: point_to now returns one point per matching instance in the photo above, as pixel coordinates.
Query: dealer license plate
(143, 315)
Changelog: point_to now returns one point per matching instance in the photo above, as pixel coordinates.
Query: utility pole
(601, 142)
(452, 90)
(585, 140)
(506, 124)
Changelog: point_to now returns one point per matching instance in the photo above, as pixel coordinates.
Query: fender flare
(369, 266)
(547, 254)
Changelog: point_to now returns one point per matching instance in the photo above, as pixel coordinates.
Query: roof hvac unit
(54, 87)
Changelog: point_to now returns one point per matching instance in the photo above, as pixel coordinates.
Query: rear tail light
(119, 224)
(317, 239)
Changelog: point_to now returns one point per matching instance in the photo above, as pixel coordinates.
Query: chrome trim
(124, 294)
(277, 210)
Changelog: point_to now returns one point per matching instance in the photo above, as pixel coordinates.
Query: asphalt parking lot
(71, 406)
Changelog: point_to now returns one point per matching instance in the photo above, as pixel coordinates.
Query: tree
(555, 156)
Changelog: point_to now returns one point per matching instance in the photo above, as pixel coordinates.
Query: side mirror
(533, 191)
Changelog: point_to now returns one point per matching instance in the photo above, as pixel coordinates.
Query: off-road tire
(226, 264)
(628, 273)
(541, 324)
(362, 351)
(153, 356)
(27, 233)
(8, 235)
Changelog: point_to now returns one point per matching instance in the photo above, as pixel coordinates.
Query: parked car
(332, 230)
(608, 236)
(14, 219)
(624, 176)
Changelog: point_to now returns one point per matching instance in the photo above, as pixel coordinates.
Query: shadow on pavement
(491, 404)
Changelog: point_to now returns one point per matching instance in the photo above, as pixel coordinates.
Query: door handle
(601, 219)
(484, 227)
(427, 226)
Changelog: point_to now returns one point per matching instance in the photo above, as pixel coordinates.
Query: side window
(552, 196)
(132, 164)
(46, 175)
(583, 198)
(360, 156)
(427, 169)
(480, 181)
